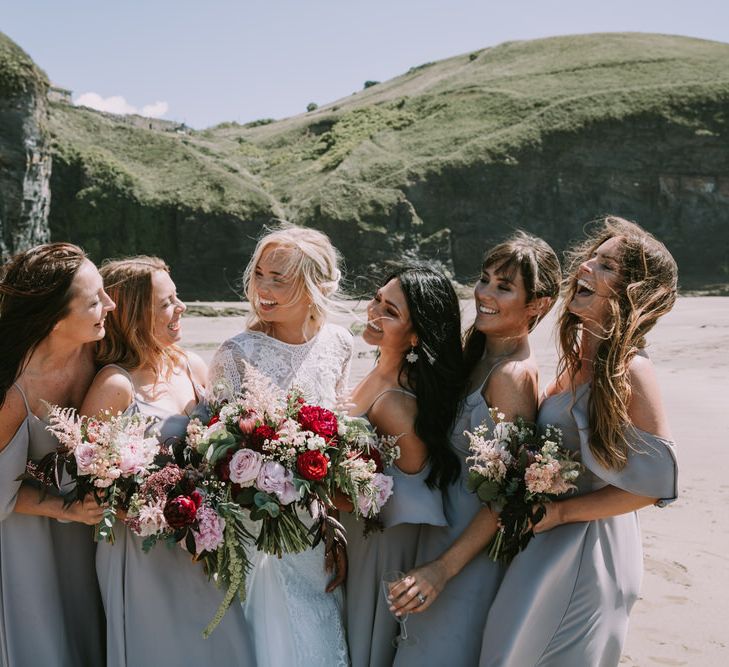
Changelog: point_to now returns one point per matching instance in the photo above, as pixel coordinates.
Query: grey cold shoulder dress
(565, 600)
(450, 631)
(158, 603)
(50, 609)
(370, 625)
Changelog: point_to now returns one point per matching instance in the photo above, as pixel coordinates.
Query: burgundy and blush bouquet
(281, 455)
(516, 471)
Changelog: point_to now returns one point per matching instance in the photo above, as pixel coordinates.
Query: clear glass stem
(403, 632)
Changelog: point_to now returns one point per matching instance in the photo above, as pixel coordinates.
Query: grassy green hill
(544, 134)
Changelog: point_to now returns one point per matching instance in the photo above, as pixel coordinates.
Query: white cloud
(117, 104)
(156, 110)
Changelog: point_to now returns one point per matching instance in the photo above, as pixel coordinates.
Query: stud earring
(412, 356)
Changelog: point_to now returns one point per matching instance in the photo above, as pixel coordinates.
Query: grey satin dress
(565, 600)
(50, 609)
(370, 625)
(450, 631)
(158, 603)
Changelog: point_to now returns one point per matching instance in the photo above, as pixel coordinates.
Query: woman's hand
(419, 589)
(551, 519)
(83, 511)
(335, 561)
(341, 502)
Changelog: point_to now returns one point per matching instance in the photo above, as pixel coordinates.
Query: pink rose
(85, 455)
(244, 467)
(274, 478)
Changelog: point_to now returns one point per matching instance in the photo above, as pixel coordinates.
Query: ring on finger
(422, 598)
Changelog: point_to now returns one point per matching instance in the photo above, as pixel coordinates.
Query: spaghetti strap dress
(158, 603)
(50, 608)
(450, 631)
(565, 600)
(413, 506)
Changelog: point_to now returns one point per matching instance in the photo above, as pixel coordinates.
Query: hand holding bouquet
(516, 471)
(108, 458)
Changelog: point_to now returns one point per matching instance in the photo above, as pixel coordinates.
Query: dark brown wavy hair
(540, 271)
(646, 291)
(35, 293)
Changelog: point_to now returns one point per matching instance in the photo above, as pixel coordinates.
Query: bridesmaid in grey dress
(52, 309)
(565, 600)
(158, 603)
(413, 391)
(519, 283)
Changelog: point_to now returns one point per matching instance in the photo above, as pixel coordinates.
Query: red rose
(214, 420)
(180, 511)
(318, 420)
(312, 465)
(260, 435)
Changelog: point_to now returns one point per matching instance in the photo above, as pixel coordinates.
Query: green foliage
(369, 84)
(355, 127)
(259, 122)
(18, 73)
(312, 106)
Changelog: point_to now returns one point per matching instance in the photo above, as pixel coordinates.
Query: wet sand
(680, 618)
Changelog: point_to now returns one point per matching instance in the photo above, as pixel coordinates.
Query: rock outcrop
(25, 159)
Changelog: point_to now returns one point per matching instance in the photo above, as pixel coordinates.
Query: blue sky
(210, 61)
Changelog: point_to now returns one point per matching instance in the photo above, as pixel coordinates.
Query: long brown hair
(35, 293)
(129, 340)
(646, 290)
(539, 267)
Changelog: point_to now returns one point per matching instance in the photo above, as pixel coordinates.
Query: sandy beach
(680, 618)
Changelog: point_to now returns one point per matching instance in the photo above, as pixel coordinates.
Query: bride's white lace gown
(293, 621)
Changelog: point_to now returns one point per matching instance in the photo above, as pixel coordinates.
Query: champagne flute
(389, 579)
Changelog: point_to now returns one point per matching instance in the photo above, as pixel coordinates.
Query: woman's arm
(110, 390)
(28, 501)
(512, 389)
(646, 412)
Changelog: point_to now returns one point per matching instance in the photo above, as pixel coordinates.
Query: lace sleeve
(342, 387)
(225, 379)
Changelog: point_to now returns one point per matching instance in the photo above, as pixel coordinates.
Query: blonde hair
(312, 263)
(646, 291)
(129, 340)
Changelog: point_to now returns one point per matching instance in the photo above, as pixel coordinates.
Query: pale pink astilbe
(260, 395)
(66, 425)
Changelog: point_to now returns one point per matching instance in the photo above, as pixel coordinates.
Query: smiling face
(596, 282)
(167, 309)
(279, 298)
(501, 307)
(87, 308)
(388, 320)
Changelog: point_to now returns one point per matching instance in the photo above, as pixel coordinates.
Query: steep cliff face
(437, 163)
(25, 160)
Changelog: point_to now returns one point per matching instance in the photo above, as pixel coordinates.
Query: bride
(289, 283)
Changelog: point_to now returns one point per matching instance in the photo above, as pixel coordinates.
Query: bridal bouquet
(107, 457)
(517, 470)
(276, 453)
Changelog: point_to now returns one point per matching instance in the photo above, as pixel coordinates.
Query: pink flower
(247, 422)
(274, 478)
(211, 530)
(151, 519)
(85, 455)
(244, 467)
(371, 502)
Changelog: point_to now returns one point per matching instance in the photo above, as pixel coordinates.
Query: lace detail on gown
(291, 590)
